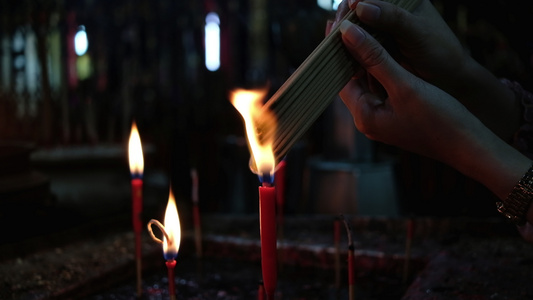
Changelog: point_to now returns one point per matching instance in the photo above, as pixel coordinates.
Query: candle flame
(249, 105)
(135, 151)
(171, 244)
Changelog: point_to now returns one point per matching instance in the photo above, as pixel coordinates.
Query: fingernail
(367, 11)
(351, 33)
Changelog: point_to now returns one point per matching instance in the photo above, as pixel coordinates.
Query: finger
(376, 87)
(385, 16)
(342, 10)
(362, 104)
(372, 56)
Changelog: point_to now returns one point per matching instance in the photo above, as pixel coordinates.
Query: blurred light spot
(212, 42)
(81, 43)
(19, 62)
(336, 4)
(18, 41)
(328, 4)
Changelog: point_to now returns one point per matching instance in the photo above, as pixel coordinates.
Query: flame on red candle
(249, 105)
(136, 161)
(171, 244)
(135, 152)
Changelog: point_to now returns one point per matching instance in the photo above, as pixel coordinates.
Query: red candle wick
(267, 184)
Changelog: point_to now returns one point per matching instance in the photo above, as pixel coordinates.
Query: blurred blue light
(81, 43)
(212, 42)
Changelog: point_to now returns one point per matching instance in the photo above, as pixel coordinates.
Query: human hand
(425, 45)
(405, 111)
(415, 115)
(428, 48)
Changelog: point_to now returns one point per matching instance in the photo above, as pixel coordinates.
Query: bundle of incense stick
(312, 87)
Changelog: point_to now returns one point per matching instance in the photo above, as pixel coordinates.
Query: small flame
(172, 228)
(249, 105)
(135, 151)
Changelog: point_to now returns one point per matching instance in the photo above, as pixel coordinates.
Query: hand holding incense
(311, 88)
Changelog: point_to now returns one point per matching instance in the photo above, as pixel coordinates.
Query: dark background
(147, 65)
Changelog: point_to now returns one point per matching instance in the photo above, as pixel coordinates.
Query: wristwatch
(516, 205)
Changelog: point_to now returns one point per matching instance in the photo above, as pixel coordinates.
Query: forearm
(479, 153)
(488, 99)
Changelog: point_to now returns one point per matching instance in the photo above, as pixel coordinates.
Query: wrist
(517, 205)
(481, 155)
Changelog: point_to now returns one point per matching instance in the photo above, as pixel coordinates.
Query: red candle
(267, 220)
(249, 105)
(261, 292)
(279, 180)
(280, 190)
(171, 239)
(336, 241)
(136, 162)
(137, 201)
(351, 273)
(196, 213)
(351, 261)
(136, 193)
(171, 285)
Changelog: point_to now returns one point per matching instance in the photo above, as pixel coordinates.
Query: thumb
(372, 56)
